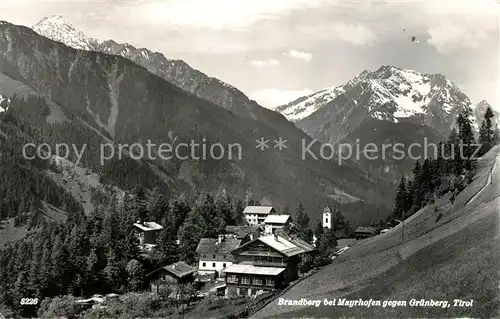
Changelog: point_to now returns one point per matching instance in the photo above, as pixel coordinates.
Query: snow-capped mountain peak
(176, 72)
(57, 28)
(305, 106)
(388, 93)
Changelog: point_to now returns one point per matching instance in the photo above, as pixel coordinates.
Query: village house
(215, 254)
(275, 222)
(243, 233)
(147, 232)
(364, 232)
(256, 215)
(178, 273)
(264, 264)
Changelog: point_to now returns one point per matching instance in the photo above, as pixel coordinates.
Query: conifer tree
(400, 202)
(239, 218)
(318, 231)
(466, 138)
(487, 133)
(190, 233)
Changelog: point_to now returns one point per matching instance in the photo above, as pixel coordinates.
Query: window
(245, 280)
(224, 265)
(204, 264)
(213, 265)
(326, 220)
(232, 279)
(257, 281)
(243, 292)
(269, 282)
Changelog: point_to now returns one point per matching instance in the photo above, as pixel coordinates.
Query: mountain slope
(391, 94)
(175, 71)
(451, 257)
(306, 105)
(125, 103)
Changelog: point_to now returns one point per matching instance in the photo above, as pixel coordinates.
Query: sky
(278, 50)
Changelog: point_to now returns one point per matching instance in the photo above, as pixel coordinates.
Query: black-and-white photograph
(256, 159)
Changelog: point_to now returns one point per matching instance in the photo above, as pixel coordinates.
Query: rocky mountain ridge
(175, 71)
(389, 94)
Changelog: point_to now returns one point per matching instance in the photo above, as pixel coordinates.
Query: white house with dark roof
(256, 215)
(275, 222)
(147, 232)
(215, 254)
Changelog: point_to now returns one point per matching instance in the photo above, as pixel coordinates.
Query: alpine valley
(75, 90)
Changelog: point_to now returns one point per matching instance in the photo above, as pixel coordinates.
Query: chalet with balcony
(275, 222)
(264, 264)
(147, 232)
(178, 273)
(256, 215)
(215, 254)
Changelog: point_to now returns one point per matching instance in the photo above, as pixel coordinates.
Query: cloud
(461, 24)
(355, 34)
(264, 63)
(301, 55)
(448, 38)
(218, 14)
(272, 98)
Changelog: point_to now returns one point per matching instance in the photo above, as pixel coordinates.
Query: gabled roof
(327, 210)
(242, 231)
(277, 219)
(212, 246)
(264, 210)
(281, 244)
(148, 226)
(362, 229)
(253, 270)
(179, 269)
(297, 241)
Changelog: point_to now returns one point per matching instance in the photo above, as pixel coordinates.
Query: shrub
(438, 217)
(210, 302)
(62, 306)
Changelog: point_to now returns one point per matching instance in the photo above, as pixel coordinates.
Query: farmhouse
(275, 222)
(215, 254)
(147, 232)
(264, 264)
(256, 215)
(175, 274)
(243, 233)
(364, 232)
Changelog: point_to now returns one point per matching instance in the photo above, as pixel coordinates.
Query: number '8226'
(29, 301)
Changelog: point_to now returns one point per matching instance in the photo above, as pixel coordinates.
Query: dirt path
(489, 182)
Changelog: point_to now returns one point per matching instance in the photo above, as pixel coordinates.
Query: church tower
(327, 217)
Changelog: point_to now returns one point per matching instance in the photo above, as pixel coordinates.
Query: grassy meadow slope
(455, 256)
